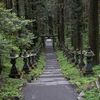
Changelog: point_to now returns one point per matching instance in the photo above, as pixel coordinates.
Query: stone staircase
(52, 74)
(51, 85)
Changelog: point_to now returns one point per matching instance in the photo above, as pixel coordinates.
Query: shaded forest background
(24, 21)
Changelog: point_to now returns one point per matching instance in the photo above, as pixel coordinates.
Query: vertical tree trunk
(62, 22)
(9, 4)
(58, 20)
(72, 25)
(18, 10)
(50, 25)
(93, 36)
(25, 7)
(78, 37)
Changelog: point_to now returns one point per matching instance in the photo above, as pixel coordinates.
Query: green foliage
(13, 32)
(10, 89)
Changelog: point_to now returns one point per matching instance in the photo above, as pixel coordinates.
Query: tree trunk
(9, 4)
(62, 22)
(50, 25)
(78, 38)
(18, 10)
(58, 20)
(25, 7)
(93, 36)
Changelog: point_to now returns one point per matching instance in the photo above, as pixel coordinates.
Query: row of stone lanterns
(85, 68)
(29, 61)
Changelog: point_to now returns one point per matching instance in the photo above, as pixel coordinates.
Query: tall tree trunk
(58, 20)
(62, 22)
(18, 10)
(93, 36)
(50, 25)
(78, 37)
(9, 4)
(25, 7)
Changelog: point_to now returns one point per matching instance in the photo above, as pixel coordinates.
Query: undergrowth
(83, 83)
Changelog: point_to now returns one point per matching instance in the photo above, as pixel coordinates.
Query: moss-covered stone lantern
(81, 65)
(77, 57)
(68, 54)
(26, 66)
(88, 67)
(72, 59)
(33, 62)
(29, 60)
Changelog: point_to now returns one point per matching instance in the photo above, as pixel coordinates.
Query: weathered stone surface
(49, 92)
(51, 83)
(63, 82)
(80, 98)
(52, 75)
(81, 94)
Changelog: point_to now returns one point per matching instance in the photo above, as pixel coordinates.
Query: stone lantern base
(14, 75)
(87, 73)
(27, 70)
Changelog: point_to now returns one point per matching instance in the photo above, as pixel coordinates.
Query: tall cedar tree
(62, 22)
(79, 42)
(58, 19)
(93, 36)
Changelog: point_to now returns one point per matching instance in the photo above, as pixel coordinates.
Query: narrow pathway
(51, 85)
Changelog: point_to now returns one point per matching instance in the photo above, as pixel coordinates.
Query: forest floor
(51, 85)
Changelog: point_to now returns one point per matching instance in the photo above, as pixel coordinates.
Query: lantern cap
(12, 54)
(25, 55)
(89, 52)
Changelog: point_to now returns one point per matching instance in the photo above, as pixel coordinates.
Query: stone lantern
(77, 57)
(68, 54)
(29, 60)
(54, 39)
(26, 66)
(14, 73)
(88, 67)
(33, 62)
(81, 65)
(38, 52)
(72, 56)
(32, 43)
(66, 51)
(63, 50)
(35, 58)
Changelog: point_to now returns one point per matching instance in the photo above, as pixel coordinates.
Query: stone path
(51, 85)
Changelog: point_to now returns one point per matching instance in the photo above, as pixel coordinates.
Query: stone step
(52, 72)
(51, 59)
(50, 83)
(53, 62)
(50, 79)
(49, 68)
(50, 76)
(50, 54)
(52, 66)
